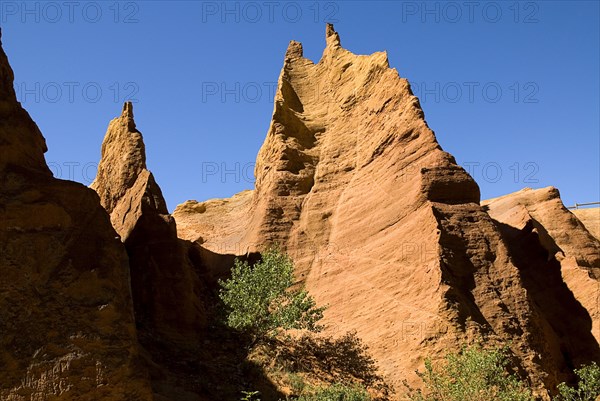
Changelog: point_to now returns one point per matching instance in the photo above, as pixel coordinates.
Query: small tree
(474, 374)
(260, 301)
(588, 386)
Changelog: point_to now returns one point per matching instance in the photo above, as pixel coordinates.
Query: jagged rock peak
(128, 114)
(66, 313)
(348, 171)
(8, 96)
(138, 212)
(21, 142)
(294, 51)
(332, 37)
(123, 159)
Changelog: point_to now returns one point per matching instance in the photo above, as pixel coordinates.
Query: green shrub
(474, 374)
(337, 392)
(588, 386)
(250, 396)
(259, 299)
(296, 383)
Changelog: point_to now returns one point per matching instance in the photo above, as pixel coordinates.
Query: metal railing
(577, 205)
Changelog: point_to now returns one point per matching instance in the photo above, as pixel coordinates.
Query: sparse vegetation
(250, 396)
(474, 374)
(296, 382)
(337, 392)
(260, 301)
(307, 363)
(588, 385)
(345, 359)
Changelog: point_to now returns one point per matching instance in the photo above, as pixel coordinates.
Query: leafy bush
(588, 386)
(296, 382)
(250, 396)
(337, 392)
(474, 374)
(259, 299)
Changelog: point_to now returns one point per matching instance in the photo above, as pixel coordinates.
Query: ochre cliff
(166, 290)
(67, 329)
(590, 219)
(384, 227)
(529, 217)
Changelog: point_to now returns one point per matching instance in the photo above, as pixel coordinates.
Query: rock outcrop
(529, 217)
(66, 316)
(384, 226)
(590, 219)
(166, 289)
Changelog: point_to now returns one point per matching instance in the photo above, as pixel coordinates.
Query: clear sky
(511, 89)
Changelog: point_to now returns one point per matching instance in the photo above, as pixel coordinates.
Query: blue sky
(511, 89)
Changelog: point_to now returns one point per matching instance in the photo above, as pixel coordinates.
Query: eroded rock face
(590, 219)
(166, 291)
(66, 316)
(383, 225)
(567, 247)
(123, 159)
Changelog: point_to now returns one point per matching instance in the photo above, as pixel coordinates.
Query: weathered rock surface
(166, 290)
(67, 329)
(385, 227)
(590, 219)
(568, 248)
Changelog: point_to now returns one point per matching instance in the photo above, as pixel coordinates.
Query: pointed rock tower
(66, 318)
(383, 225)
(166, 290)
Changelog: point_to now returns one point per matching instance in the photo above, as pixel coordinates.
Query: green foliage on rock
(260, 301)
(337, 392)
(588, 385)
(474, 374)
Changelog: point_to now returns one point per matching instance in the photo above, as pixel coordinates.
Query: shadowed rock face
(566, 244)
(166, 291)
(383, 225)
(16, 149)
(66, 316)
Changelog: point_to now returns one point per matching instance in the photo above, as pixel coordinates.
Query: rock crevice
(166, 289)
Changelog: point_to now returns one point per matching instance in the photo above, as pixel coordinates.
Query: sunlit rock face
(386, 229)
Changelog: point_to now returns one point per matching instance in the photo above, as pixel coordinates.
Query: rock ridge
(384, 226)
(166, 289)
(66, 313)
